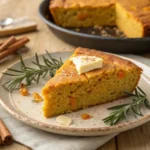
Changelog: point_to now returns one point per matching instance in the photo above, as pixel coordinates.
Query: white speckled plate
(22, 108)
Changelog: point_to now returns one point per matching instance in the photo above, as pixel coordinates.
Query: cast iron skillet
(83, 39)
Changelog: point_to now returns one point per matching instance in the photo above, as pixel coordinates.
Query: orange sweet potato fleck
(82, 16)
(146, 8)
(121, 74)
(85, 116)
(73, 102)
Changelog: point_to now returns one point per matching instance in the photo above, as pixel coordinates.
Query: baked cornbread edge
(122, 21)
(79, 19)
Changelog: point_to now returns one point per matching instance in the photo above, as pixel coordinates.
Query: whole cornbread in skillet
(131, 16)
(69, 91)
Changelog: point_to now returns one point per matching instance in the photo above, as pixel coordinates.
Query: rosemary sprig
(29, 75)
(120, 112)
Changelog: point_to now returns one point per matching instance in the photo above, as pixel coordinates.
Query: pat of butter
(87, 63)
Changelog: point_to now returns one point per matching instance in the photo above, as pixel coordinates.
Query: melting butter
(87, 63)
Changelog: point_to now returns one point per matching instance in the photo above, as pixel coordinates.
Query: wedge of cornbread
(81, 13)
(133, 17)
(69, 91)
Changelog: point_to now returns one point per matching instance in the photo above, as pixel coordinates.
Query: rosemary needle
(120, 112)
(29, 75)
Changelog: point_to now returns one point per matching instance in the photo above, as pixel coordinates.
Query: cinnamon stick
(7, 43)
(14, 47)
(5, 134)
(0, 141)
(16, 41)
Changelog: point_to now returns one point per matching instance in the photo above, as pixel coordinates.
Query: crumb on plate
(37, 97)
(23, 90)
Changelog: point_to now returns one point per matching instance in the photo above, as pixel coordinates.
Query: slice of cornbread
(133, 17)
(81, 13)
(68, 91)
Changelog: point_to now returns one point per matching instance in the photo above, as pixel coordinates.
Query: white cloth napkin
(40, 140)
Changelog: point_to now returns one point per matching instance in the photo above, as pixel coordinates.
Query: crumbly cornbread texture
(131, 16)
(81, 13)
(68, 91)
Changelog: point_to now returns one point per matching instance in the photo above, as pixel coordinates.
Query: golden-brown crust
(110, 59)
(67, 73)
(146, 31)
(80, 3)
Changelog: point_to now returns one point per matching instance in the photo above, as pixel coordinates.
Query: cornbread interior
(68, 91)
(85, 17)
(132, 17)
(126, 21)
(80, 13)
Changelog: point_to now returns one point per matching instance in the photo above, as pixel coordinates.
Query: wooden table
(44, 39)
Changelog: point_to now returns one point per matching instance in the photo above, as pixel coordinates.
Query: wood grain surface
(43, 39)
